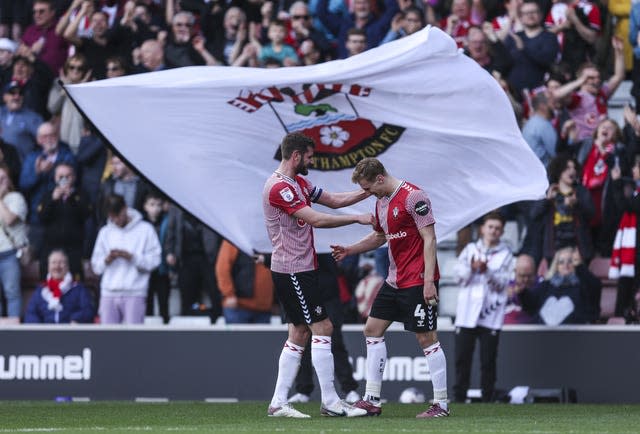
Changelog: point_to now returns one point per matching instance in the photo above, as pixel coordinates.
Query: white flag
(208, 136)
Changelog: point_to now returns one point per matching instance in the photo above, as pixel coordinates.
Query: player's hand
(339, 252)
(430, 294)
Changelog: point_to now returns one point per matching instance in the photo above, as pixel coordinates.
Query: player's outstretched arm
(372, 241)
(339, 200)
(323, 220)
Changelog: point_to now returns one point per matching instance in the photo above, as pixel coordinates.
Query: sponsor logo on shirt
(422, 208)
(396, 235)
(286, 194)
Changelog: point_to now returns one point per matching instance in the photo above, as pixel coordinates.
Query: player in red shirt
(287, 198)
(410, 293)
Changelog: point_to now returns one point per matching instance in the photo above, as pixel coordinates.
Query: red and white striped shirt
(292, 238)
(401, 216)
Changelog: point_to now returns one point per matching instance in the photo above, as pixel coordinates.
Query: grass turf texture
(250, 417)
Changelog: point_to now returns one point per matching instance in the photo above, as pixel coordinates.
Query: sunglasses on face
(300, 17)
(40, 11)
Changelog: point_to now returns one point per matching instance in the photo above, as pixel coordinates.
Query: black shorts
(406, 306)
(300, 297)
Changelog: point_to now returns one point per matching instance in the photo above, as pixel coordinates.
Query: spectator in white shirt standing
(126, 251)
(484, 268)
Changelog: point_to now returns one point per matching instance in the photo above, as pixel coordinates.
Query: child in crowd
(159, 283)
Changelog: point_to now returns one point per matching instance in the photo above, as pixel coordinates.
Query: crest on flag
(326, 113)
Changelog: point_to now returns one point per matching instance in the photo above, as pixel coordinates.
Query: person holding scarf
(597, 156)
(59, 299)
(625, 255)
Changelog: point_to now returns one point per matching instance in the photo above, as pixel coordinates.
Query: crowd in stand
(558, 62)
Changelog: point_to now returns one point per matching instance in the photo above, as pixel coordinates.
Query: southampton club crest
(326, 113)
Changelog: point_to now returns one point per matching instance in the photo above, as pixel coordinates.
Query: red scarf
(595, 168)
(623, 255)
(54, 286)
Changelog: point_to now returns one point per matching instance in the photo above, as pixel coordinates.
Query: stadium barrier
(232, 363)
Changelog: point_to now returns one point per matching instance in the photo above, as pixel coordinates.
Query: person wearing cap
(18, 124)
(7, 50)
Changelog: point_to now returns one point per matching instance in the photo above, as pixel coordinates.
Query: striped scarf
(623, 255)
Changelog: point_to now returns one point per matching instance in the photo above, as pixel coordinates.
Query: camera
(63, 182)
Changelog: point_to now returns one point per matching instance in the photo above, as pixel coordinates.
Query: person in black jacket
(62, 211)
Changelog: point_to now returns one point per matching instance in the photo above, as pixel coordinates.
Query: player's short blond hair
(368, 169)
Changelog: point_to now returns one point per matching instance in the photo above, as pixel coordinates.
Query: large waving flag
(208, 136)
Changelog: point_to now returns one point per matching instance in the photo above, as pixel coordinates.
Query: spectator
(376, 27)
(60, 299)
(276, 48)
(141, 22)
(116, 67)
(126, 251)
(458, 22)
(192, 248)
(159, 284)
(598, 156)
(125, 182)
(77, 7)
(588, 105)
(533, 50)
(487, 50)
(19, 125)
(9, 156)
(578, 24)
(483, 270)
(405, 23)
(539, 132)
(102, 41)
(245, 284)
(75, 71)
(151, 57)
(525, 281)
(184, 49)
(356, 42)
(35, 79)
(62, 212)
(41, 37)
(634, 39)
(302, 29)
(625, 257)
(225, 32)
(92, 159)
(37, 176)
(570, 294)
(562, 218)
(310, 54)
(7, 50)
(510, 21)
(13, 216)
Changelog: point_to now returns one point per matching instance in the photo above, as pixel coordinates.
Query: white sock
(376, 359)
(437, 363)
(288, 366)
(322, 360)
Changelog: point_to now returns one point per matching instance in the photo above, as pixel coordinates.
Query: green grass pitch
(250, 417)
